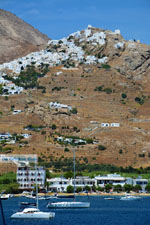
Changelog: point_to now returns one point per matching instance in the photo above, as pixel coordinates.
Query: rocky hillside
(89, 90)
(17, 38)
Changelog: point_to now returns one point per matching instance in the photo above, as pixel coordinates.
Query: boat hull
(130, 198)
(65, 196)
(42, 215)
(68, 205)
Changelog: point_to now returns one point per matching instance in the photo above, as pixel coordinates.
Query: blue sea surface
(101, 212)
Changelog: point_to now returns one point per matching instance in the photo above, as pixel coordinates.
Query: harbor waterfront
(102, 211)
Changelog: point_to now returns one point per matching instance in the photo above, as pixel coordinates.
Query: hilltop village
(69, 52)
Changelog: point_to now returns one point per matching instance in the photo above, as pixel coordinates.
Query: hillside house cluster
(9, 88)
(71, 140)
(11, 139)
(5, 136)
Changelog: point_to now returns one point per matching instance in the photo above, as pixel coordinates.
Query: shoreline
(89, 194)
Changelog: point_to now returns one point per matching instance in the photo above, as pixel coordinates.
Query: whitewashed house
(104, 124)
(115, 125)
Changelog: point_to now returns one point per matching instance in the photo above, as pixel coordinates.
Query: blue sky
(58, 18)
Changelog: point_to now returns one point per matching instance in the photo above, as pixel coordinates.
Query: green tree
(70, 189)
(12, 188)
(147, 188)
(99, 188)
(87, 188)
(118, 188)
(48, 174)
(68, 174)
(94, 188)
(78, 189)
(108, 187)
(128, 187)
(137, 188)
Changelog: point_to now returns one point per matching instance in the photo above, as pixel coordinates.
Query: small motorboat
(39, 197)
(130, 197)
(109, 198)
(65, 196)
(5, 196)
(28, 203)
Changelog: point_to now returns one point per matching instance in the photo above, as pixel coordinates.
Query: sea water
(101, 212)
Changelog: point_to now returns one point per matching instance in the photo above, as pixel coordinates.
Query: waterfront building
(83, 181)
(26, 177)
(58, 184)
(113, 179)
(141, 182)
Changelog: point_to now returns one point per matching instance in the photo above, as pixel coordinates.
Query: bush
(105, 66)
(99, 88)
(53, 127)
(139, 100)
(66, 150)
(85, 160)
(120, 151)
(101, 147)
(142, 155)
(108, 90)
(74, 111)
(124, 95)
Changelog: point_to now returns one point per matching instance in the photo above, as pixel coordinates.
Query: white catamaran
(74, 204)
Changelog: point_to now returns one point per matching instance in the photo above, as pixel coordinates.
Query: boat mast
(74, 172)
(36, 184)
(2, 213)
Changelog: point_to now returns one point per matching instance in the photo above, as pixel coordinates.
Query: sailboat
(67, 205)
(33, 213)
